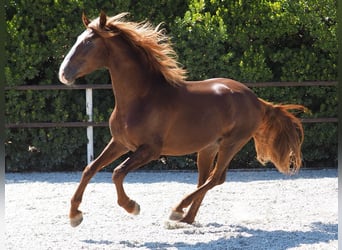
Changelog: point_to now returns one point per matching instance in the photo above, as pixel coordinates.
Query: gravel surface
(251, 210)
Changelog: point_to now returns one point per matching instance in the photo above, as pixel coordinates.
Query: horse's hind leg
(111, 152)
(217, 176)
(205, 163)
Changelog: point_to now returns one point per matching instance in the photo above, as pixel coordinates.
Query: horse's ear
(103, 19)
(85, 20)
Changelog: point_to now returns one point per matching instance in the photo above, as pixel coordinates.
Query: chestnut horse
(157, 112)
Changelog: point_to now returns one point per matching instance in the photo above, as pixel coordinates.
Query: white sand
(251, 210)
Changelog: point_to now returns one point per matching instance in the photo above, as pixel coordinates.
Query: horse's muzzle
(66, 75)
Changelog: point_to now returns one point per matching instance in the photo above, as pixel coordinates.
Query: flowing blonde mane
(152, 41)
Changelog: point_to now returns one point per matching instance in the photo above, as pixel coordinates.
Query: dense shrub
(266, 41)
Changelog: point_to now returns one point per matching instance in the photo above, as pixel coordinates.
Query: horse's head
(135, 44)
(88, 53)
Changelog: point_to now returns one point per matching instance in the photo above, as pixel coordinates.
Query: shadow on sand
(257, 239)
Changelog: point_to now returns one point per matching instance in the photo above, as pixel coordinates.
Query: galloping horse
(158, 112)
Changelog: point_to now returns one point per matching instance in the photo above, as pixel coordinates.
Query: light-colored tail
(279, 137)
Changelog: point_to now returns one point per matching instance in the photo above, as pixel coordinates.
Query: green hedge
(280, 40)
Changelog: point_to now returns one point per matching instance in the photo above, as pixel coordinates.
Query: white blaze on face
(63, 73)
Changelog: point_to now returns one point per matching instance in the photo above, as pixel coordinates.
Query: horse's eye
(88, 42)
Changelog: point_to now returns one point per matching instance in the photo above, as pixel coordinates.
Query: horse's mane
(151, 41)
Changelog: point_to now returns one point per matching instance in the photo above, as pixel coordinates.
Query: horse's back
(213, 85)
(230, 96)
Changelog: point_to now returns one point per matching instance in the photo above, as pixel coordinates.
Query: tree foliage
(245, 40)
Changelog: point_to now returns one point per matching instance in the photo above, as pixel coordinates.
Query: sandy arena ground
(251, 210)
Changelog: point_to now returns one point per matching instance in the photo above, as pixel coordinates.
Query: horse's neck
(131, 79)
(129, 84)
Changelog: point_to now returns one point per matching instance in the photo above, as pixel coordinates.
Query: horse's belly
(189, 140)
(179, 150)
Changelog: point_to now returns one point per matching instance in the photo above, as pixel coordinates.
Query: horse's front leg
(111, 152)
(140, 157)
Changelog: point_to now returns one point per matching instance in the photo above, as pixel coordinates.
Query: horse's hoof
(176, 216)
(136, 208)
(76, 220)
(187, 221)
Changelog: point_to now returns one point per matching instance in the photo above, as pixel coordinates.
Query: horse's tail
(279, 137)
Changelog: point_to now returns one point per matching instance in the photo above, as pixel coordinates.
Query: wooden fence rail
(90, 124)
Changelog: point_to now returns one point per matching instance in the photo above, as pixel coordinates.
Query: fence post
(89, 111)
